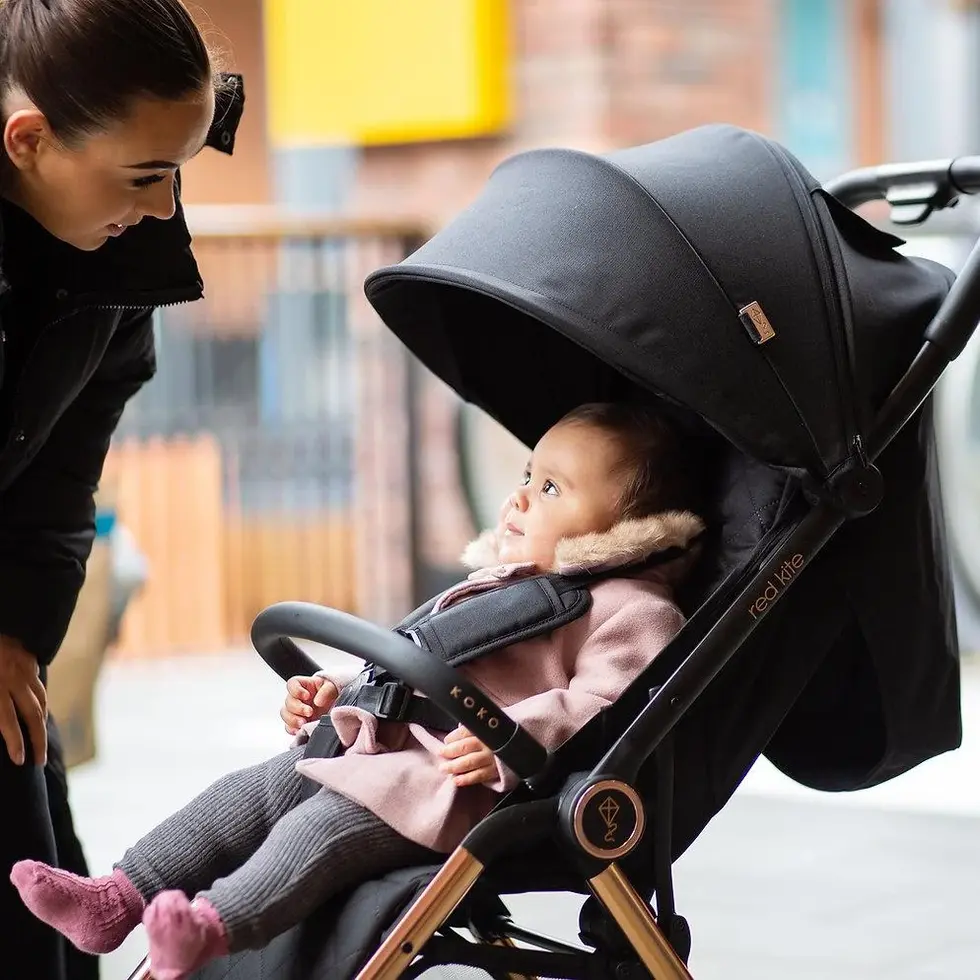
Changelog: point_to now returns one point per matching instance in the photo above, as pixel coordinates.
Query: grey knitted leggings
(262, 858)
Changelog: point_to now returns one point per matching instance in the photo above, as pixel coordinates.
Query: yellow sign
(368, 72)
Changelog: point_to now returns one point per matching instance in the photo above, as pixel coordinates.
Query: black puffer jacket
(76, 343)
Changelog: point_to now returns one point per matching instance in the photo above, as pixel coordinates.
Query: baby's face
(571, 487)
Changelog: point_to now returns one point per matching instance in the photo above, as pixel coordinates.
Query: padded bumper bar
(446, 687)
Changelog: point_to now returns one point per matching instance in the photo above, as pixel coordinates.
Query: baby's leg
(209, 837)
(321, 847)
(217, 831)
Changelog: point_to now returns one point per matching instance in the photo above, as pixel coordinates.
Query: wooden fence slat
(212, 568)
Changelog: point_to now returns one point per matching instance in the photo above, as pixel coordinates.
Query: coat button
(61, 294)
(225, 138)
(20, 435)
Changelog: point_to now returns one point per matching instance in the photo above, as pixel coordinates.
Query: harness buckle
(393, 702)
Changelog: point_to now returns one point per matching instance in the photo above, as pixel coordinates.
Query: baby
(606, 488)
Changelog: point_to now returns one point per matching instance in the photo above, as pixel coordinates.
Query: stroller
(798, 350)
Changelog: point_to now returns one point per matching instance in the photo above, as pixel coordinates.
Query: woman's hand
(469, 761)
(22, 698)
(307, 699)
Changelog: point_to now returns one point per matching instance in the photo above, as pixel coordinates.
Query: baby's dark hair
(660, 474)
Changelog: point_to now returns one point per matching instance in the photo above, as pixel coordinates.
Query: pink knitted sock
(182, 936)
(95, 914)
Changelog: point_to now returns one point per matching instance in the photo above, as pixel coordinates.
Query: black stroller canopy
(640, 262)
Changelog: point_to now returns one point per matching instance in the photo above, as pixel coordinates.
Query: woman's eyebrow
(162, 164)
(152, 165)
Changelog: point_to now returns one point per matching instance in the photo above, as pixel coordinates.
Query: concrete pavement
(785, 884)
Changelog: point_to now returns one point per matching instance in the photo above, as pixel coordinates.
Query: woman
(102, 101)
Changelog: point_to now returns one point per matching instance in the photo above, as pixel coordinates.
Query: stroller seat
(797, 350)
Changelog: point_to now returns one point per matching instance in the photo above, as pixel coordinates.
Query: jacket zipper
(121, 306)
(158, 300)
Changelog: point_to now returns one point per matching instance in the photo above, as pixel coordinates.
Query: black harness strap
(489, 621)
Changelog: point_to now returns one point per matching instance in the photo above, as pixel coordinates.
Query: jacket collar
(629, 543)
(150, 265)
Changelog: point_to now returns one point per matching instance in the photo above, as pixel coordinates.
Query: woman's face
(87, 193)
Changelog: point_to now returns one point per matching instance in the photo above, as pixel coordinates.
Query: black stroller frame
(599, 816)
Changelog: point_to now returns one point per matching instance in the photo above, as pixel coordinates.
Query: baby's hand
(307, 699)
(469, 760)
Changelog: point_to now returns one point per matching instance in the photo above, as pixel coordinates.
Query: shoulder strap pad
(487, 622)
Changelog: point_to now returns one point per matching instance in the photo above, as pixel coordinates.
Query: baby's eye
(140, 182)
(550, 488)
(526, 478)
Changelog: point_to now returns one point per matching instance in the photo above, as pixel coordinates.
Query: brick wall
(593, 74)
(233, 30)
(675, 64)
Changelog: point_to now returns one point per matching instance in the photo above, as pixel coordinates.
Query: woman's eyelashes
(147, 181)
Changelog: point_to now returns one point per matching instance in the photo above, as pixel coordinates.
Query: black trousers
(36, 822)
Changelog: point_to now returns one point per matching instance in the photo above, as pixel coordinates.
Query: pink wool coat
(551, 685)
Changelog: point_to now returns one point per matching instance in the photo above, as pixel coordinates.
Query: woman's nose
(158, 200)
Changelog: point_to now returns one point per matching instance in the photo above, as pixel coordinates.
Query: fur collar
(629, 542)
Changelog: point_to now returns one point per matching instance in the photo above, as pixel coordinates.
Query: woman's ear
(24, 135)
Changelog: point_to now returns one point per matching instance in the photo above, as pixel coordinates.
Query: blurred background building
(287, 449)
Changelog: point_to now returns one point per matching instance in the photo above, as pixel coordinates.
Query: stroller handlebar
(274, 627)
(914, 190)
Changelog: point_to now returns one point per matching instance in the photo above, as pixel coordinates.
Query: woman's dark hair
(83, 62)
(661, 471)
